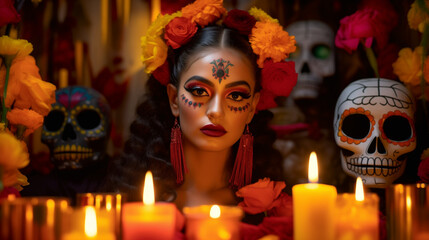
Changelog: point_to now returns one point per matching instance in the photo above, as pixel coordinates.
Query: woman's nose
(215, 109)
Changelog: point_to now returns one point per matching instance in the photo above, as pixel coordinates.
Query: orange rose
(204, 12)
(260, 196)
(179, 31)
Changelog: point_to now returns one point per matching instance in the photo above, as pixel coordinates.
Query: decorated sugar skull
(314, 57)
(374, 127)
(77, 128)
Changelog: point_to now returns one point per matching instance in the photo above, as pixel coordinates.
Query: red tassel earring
(242, 171)
(176, 153)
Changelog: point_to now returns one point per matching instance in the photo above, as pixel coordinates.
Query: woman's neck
(206, 181)
(206, 168)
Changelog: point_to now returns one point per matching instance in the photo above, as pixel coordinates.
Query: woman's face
(215, 99)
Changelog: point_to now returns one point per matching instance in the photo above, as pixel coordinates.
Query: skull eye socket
(88, 119)
(397, 128)
(356, 126)
(321, 51)
(54, 120)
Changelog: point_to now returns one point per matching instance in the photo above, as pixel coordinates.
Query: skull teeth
(373, 166)
(72, 153)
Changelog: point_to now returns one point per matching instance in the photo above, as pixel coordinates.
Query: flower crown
(267, 38)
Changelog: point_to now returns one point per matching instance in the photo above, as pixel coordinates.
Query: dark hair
(148, 145)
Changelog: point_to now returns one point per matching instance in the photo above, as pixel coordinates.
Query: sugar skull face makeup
(215, 99)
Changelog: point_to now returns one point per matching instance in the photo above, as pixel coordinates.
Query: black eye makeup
(196, 89)
(238, 95)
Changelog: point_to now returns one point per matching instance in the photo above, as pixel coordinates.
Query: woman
(211, 100)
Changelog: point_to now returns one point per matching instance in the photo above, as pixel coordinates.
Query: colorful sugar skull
(374, 127)
(77, 128)
(314, 57)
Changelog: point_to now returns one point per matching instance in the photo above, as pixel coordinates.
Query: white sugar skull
(77, 128)
(374, 127)
(314, 57)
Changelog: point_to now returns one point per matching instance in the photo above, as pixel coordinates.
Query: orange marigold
(408, 66)
(204, 12)
(269, 40)
(417, 17)
(26, 89)
(14, 178)
(426, 70)
(26, 117)
(14, 153)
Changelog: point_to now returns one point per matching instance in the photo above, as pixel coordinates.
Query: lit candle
(90, 229)
(357, 215)
(213, 222)
(147, 219)
(313, 207)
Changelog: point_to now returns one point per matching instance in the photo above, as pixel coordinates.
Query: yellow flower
(204, 12)
(26, 89)
(14, 153)
(156, 28)
(269, 40)
(261, 16)
(2, 127)
(25, 117)
(12, 47)
(417, 17)
(408, 66)
(154, 52)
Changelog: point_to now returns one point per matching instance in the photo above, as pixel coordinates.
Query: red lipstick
(213, 130)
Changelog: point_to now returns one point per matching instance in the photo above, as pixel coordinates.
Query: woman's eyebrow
(201, 79)
(237, 83)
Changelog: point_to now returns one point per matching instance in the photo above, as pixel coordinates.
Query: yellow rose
(408, 66)
(14, 153)
(154, 52)
(18, 47)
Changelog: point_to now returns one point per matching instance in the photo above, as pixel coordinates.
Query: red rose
(162, 74)
(179, 31)
(423, 171)
(8, 13)
(240, 20)
(260, 196)
(266, 100)
(279, 78)
(364, 26)
(282, 206)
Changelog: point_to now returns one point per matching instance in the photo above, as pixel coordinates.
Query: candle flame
(313, 171)
(148, 191)
(90, 222)
(215, 211)
(359, 194)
